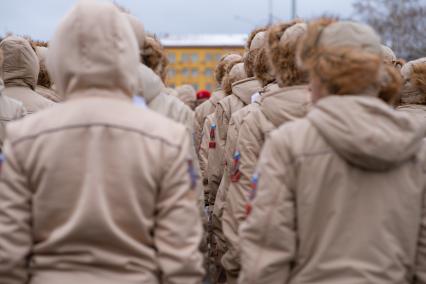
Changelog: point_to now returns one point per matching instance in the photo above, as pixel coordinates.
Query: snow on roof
(206, 40)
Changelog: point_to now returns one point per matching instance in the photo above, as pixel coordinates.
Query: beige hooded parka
(20, 73)
(95, 195)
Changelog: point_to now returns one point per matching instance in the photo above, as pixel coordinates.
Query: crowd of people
(306, 165)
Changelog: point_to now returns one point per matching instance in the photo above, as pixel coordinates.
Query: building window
(194, 57)
(218, 56)
(195, 85)
(171, 72)
(172, 57)
(194, 72)
(185, 72)
(208, 72)
(208, 57)
(185, 57)
(209, 87)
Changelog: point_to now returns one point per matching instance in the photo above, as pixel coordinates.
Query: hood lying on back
(245, 89)
(20, 65)
(286, 104)
(366, 132)
(94, 47)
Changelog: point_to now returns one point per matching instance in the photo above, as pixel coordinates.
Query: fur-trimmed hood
(414, 75)
(220, 70)
(262, 68)
(281, 52)
(255, 41)
(234, 72)
(346, 57)
(154, 56)
(20, 64)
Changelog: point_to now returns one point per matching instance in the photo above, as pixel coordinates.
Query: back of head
(220, 70)
(414, 75)
(235, 72)
(43, 75)
(255, 42)
(187, 94)
(155, 57)
(281, 52)
(94, 47)
(346, 57)
(20, 65)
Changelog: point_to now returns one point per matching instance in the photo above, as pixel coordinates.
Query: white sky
(38, 18)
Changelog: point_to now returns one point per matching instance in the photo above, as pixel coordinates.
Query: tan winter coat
(10, 110)
(276, 107)
(95, 195)
(340, 199)
(242, 92)
(153, 90)
(201, 112)
(20, 72)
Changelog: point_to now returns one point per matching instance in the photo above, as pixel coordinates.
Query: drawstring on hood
(104, 56)
(20, 65)
(366, 132)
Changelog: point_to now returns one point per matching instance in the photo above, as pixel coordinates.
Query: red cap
(203, 94)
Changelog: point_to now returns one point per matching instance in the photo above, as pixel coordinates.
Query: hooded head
(20, 64)
(262, 68)
(154, 56)
(187, 94)
(391, 80)
(255, 41)
(343, 58)
(43, 75)
(235, 72)
(94, 47)
(138, 30)
(220, 71)
(282, 45)
(414, 76)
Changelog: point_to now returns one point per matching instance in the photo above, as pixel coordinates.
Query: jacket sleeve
(222, 122)
(198, 128)
(268, 236)
(178, 230)
(248, 144)
(420, 274)
(15, 220)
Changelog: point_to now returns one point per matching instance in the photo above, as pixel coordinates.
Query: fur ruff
(154, 56)
(391, 84)
(262, 69)
(253, 34)
(220, 70)
(342, 71)
(282, 57)
(418, 77)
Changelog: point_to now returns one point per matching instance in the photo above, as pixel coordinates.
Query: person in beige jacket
(10, 109)
(413, 95)
(20, 73)
(44, 83)
(103, 193)
(187, 94)
(209, 106)
(340, 195)
(280, 105)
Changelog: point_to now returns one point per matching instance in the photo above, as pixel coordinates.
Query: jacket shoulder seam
(106, 125)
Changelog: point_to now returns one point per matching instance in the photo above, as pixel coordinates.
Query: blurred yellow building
(192, 59)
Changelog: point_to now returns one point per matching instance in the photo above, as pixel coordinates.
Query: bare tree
(401, 23)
